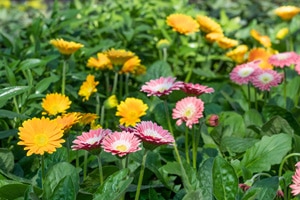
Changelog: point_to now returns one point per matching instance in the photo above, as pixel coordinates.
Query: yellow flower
(65, 47)
(55, 103)
(141, 69)
(130, 65)
(87, 118)
(226, 43)
(5, 3)
(36, 4)
(238, 54)
(208, 25)
(262, 39)
(119, 56)
(183, 24)
(40, 136)
(111, 102)
(162, 44)
(88, 87)
(131, 110)
(95, 126)
(68, 120)
(102, 62)
(287, 12)
(213, 36)
(262, 55)
(282, 33)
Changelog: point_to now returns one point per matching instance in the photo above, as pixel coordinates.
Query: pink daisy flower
(121, 143)
(196, 89)
(242, 74)
(161, 86)
(90, 140)
(283, 59)
(296, 181)
(152, 133)
(265, 79)
(188, 110)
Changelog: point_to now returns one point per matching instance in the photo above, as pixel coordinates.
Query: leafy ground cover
(149, 100)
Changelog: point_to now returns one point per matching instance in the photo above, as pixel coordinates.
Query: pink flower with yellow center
(188, 110)
(161, 86)
(196, 89)
(121, 143)
(242, 74)
(265, 79)
(296, 181)
(283, 59)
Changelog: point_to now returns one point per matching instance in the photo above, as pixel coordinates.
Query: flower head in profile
(188, 110)
(262, 39)
(119, 56)
(55, 103)
(226, 43)
(287, 12)
(244, 73)
(296, 181)
(102, 62)
(262, 55)
(87, 118)
(88, 87)
(40, 135)
(161, 86)
(90, 140)
(68, 120)
(282, 33)
(131, 110)
(183, 24)
(152, 134)
(111, 102)
(130, 65)
(283, 59)
(238, 54)
(163, 44)
(196, 89)
(212, 120)
(213, 36)
(121, 143)
(65, 47)
(139, 70)
(208, 25)
(265, 79)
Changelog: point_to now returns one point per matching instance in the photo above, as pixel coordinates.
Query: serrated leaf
(267, 152)
(225, 181)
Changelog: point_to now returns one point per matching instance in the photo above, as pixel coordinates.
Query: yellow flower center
(41, 140)
(121, 147)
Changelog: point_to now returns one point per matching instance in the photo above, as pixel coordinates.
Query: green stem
(121, 86)
(43, 170)
(165, 54)
(102, 115)
(255, 99)
(126, 84)
(168, 117)
(187, 152)
(138, 190)
(192, 66)
(107, 83)
(115, 83)
(85, 165)
(97, 104)
(284, 160)
(249, 95)
(100, 168)
(194, 149)
(63, 83)
(284, 87)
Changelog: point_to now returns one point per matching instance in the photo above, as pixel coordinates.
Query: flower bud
(212, 120)
(282, 33)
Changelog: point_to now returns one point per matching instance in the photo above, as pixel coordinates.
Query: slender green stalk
(192, 66)
(107, 83)
(255, 99)
(284, 160)
(126, 84)
(102, 115)
(168, 117)
(115, 83)
(43, 170)
(121, 86)
(97, 104)
(165, 54)
(284, 87)
(187, 152)
(194, 149)
(63, 82)
(138, 190)
(85, 164)
(100, 168)
(249, 95)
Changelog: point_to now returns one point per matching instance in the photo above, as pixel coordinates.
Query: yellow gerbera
(130, 65)
(65, 47)
(282, 33)
(87, 118)
(213, 36)
(183, 24)
(68, 120)
(102, 62)
(119, 56)
(262, 55)
(88, 87)
(262, 39)
(131, 110)
(55, 103)
(226, 43)
(287, 12)
(208, 25)
(238, 54)
(111, 102)
(40, 136)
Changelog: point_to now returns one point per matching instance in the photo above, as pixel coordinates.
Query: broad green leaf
(237, 144)
(8, 133)
(276, 125)
(264, 189)
(6, 160)
(205, 178)
(233, 123)
(193, 195)
(225, 181)
(11, 115)
(65, 189)
(157, 70)
(114, 186)
(45, 83)
(30, 63)
(253, 117)
(56, 174)
(267, 152)
(9, 92)
(12, 190)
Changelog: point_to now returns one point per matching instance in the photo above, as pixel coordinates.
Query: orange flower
(68, 120)
(88, 87)
(102, 62)
(87, 118)
(262, 39)
(287, 12)
(208, 25)
(238, 54)
(55, 103)
(183, 24)
(262, 55)
(65, 47)
(119, 56)
(213, 36)
(130, 65)
(226, 43)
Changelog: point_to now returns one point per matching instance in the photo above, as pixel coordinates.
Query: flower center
(121, 147)
(92, 140)
(189, 111)
(244, 72)
(266, 78)
(282, 56)
(152, 133)
(41, 140)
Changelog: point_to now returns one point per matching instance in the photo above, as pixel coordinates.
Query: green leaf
(11, 115)
(266, 189)
(12, 190)
(65, 189)
(114, 186)
(193, 195)
(10, 75)
(233, 123)
(225, 180)
(237, 144)
(253, 117)
(267, 152)
(8, 133)
(6, 160)
(158, 69)
(56, 174)
(277, 125)
(206, 179)
(9, 92)
(45, 83)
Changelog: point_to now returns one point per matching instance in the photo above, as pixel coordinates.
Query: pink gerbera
(161, 86)
(152, 133)
(121, 143)
(283, 59)
(242, 74)
(196, 89)
(188, 110)
(90, 140)
(296, 181)
(265, 79)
